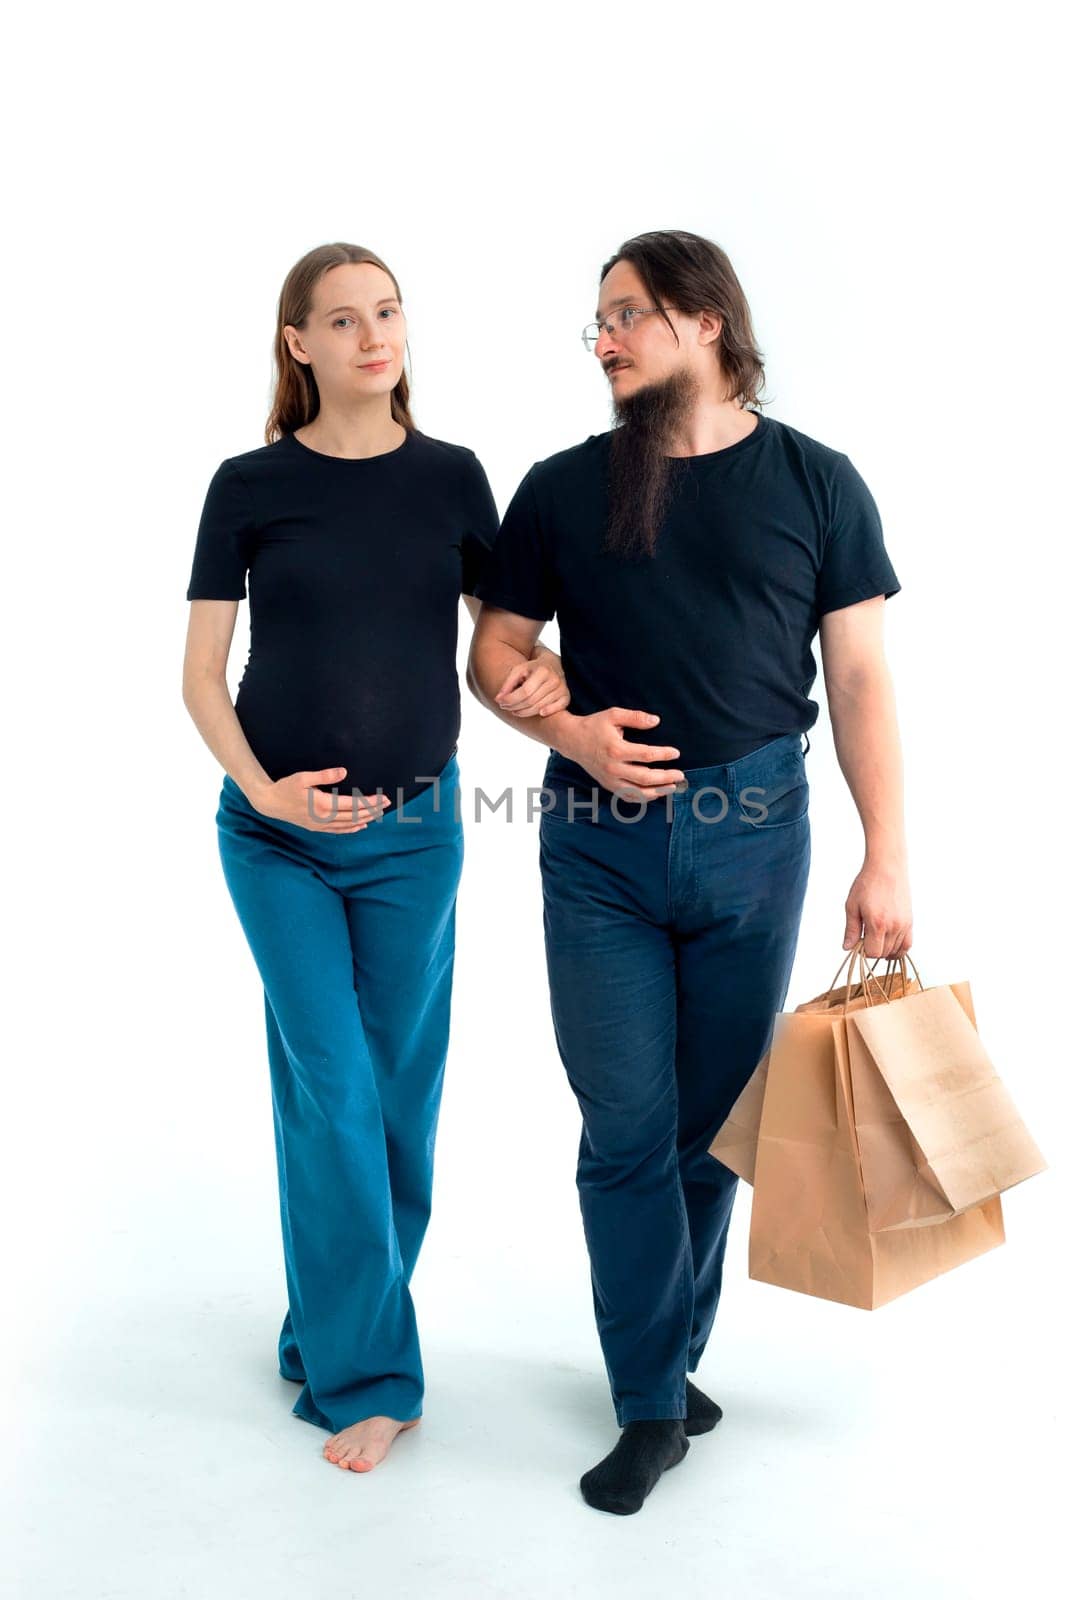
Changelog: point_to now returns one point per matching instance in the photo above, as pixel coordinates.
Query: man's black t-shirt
(713, 631)
(355, 574)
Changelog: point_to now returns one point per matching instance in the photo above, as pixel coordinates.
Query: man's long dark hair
(690, 274)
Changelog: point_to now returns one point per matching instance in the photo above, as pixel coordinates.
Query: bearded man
(690, 554)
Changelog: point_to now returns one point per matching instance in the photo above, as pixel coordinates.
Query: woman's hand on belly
(295, 799)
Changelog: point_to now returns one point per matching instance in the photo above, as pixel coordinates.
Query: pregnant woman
(338, 822)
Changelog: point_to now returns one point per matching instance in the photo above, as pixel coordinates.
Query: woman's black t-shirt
(355, 570)
(713, 631)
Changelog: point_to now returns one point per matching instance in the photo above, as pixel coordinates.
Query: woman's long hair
(691, 273)
(296, 394)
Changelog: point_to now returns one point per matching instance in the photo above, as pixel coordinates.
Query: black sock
(645, 1450)
(701, 1413)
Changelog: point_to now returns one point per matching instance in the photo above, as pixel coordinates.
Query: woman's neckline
(352, 461)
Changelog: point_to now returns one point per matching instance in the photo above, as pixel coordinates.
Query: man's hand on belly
(598, 744)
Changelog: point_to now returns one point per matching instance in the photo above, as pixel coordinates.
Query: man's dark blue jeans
(670, 932)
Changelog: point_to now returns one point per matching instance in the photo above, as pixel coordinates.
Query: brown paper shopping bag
(735, 1143)
(810, 1228)
(937, 1130)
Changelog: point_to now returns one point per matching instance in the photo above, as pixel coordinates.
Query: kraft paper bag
(735, 1143)
(936, 1129)
(810, 1227)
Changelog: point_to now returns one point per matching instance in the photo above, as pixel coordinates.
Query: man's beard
(641, 477)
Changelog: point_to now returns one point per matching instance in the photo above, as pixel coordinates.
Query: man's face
(647, 352)
(654, 388)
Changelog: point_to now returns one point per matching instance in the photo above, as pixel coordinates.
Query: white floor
(912, 1451)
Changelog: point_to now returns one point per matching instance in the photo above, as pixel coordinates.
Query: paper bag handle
(899, 961)
(867, 973)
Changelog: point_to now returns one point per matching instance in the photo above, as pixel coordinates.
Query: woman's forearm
(207, 700)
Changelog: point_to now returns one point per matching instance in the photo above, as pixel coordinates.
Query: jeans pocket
(565, 800)
(780, 801)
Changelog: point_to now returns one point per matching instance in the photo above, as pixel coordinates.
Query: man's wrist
(565, 728)
(886, 853)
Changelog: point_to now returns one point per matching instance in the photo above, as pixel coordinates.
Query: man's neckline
(730, 449)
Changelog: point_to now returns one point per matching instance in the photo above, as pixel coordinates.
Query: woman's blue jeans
(670, 933)
(353, 935)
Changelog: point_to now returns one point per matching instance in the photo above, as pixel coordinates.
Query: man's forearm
(867, 740)
(487, 668)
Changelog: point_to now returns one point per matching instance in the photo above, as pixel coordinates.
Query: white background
(883, 179)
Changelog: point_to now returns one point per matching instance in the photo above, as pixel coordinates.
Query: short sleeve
(855, 565)
(225, 540)
(481, 524)
(519, 576)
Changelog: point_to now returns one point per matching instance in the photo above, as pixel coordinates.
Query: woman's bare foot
(362, 1445)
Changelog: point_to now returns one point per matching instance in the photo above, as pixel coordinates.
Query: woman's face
(354, 335)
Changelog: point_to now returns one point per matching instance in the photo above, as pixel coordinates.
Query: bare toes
(366, 1445)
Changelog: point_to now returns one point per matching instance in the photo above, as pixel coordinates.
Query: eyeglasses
(622, 321)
